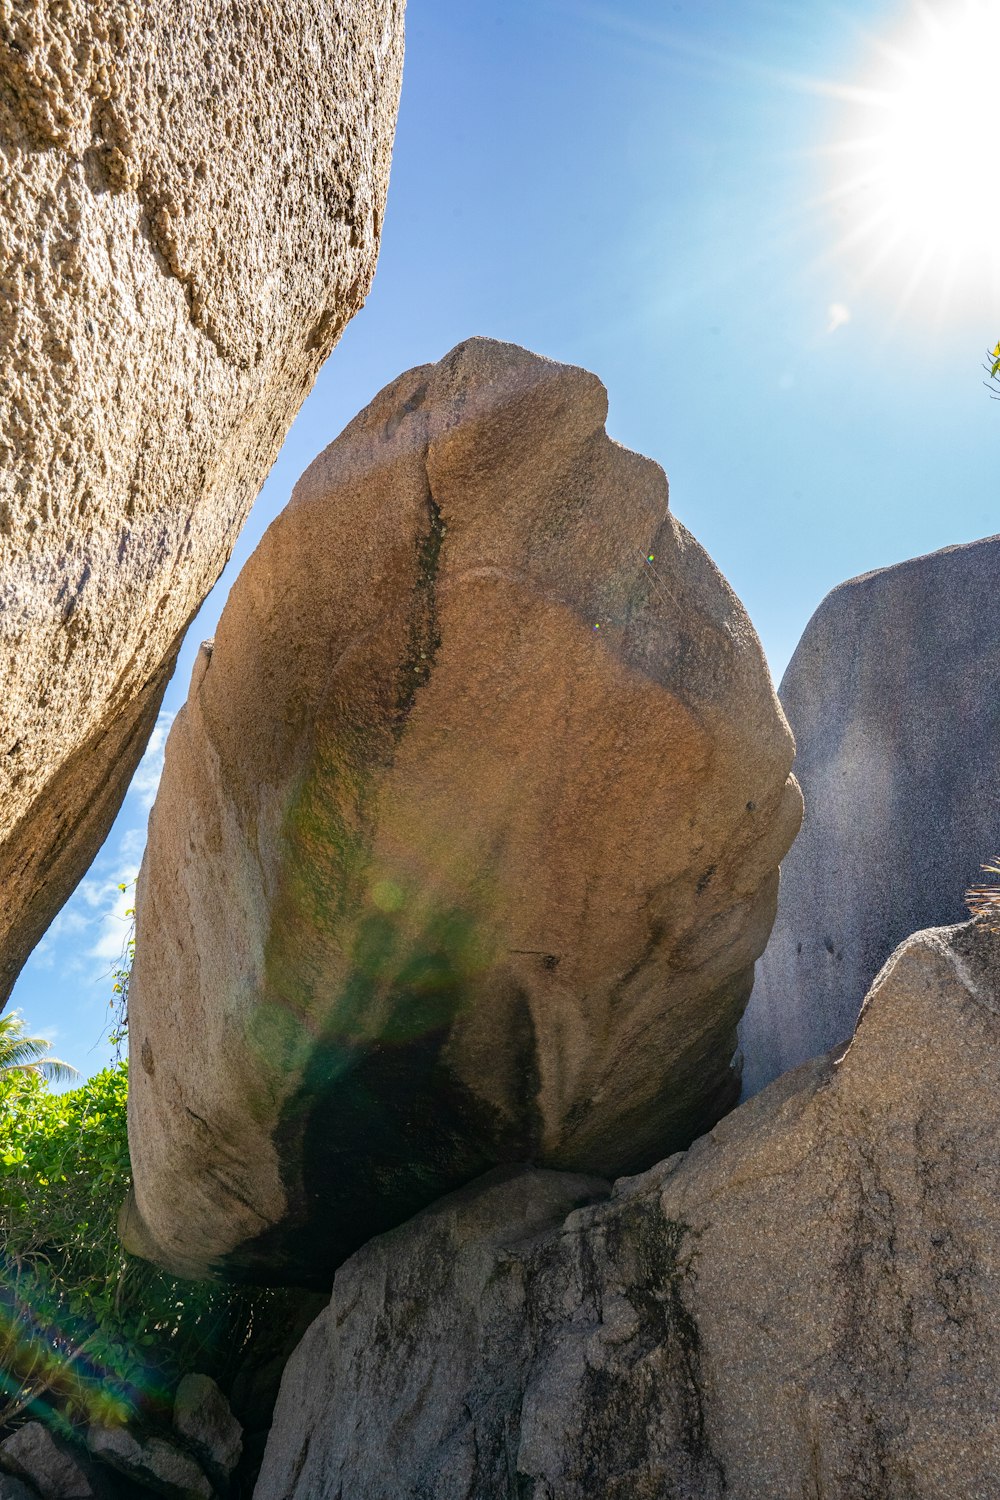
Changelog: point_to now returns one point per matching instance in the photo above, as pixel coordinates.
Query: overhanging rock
(467, 838)
(190, 209)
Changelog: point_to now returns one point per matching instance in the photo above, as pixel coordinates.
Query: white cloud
(65, 924)
(114, 924)
(837, 314)
(150, 768)
(71, 971)
(133, 842)
(91, 892)
(68, 921)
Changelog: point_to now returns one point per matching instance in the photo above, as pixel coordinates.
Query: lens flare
(914, 173)
(57, 1366)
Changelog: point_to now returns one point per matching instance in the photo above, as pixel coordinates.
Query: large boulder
(892, 695)
(807, 1303)
(467, 838)
(190, 209)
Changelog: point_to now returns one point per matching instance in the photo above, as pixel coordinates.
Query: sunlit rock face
(467, 837)
(190, 208)
(804, 1304)
(892, 698)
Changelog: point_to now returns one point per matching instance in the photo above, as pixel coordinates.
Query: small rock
(203, 1418)
(15, 1489)
(52, 1466)
(153, 1463)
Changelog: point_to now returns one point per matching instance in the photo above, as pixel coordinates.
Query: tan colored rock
(190, 209)
(807, 1303)
(467, 838)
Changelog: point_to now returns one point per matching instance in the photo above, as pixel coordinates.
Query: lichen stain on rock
(417, 773)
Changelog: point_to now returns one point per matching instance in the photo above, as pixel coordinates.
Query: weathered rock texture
(807, 1303)
(54, 1469)
(15, 1489)
(153, 1464)
(892, 698)
(190, 207)
(467, 837)
(204, 1419)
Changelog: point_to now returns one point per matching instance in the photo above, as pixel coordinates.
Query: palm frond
(56, 1070)
(29, 1054)
(983, 901)
(52, 1068)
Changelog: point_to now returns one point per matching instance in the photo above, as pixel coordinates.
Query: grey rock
(190, 213)
(56, 1470)
(467, 837)
(806, 1303)
(256, 1383)
(153, 1463)
(421, 1321)
(892, 698)
(16, 1489)
(202, 1416)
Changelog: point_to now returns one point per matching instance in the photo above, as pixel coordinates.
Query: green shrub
(86, 1331)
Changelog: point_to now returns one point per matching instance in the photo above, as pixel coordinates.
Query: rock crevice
(804, 1303)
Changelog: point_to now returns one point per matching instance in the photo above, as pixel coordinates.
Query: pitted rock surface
(190, 207)
(892, 698)
(48, 1467)
(153, 1464)
(467, 838)
(805, 1303)
(204, 1419)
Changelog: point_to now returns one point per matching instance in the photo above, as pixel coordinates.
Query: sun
(917, 168)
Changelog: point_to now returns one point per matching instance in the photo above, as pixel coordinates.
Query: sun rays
(911, 175)
(896, 151)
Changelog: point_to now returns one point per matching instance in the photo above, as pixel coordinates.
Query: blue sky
(655, 191)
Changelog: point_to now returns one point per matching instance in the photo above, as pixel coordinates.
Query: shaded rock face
(52, 1469)
(15, 1489)
(204, 1419)
(190, 211)
(892, 698)
(805, 1303)
(467, 837)
(154, 1465)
